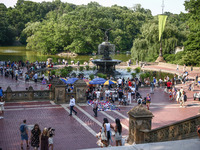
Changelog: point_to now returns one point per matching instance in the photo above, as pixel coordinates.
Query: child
(170, 94)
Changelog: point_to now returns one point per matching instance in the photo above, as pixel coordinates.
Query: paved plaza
(78, 131)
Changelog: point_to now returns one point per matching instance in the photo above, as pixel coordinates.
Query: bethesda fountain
(106, 64)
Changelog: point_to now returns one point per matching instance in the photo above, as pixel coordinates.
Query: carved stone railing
(176, 131)
(28, 95)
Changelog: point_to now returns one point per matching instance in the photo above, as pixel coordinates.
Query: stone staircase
(188, 144)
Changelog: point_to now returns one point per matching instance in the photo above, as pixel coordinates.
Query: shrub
(87, 67)
(133, 75)
(91, 76)
(101, 75)
(65, 71)
(94, 68)
(128, 69)
(81, 68)
(137, 70)
(53, 72)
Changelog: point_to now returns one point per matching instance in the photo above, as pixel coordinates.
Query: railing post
(139, 119)
(31, 93)
(80, 87)
(8, 94)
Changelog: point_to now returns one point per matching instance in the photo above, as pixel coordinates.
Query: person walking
(1, 100)
(178, 96)
(177, 67)
(44, 139)
(24, 134)
(72, 104)
(107, 127)
(152, 87)
(35, 77)
(95, 107)
(183, 99)
(35, 137)
(118, 132)
(148, 101)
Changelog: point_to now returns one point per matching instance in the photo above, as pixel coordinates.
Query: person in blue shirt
(1, 94)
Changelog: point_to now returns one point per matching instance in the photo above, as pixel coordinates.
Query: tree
(7, 33)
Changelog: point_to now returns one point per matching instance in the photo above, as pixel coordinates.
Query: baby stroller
(137, 95)
(141, 101)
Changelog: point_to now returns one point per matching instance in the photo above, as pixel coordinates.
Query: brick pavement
(71, 134)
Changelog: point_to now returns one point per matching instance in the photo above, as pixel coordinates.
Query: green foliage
(144, 75)
(65, 71)
(101, 75)
(133, 75)
(91, 76)
(146, 46)
(137, 70)
(87, 67)
(81, 68)
(94, 68)
(53, 72)
(78, 28)
(128, 69)
(7, 32)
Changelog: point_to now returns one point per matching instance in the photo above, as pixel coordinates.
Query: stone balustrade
(140, 121)
(176, 131)
(57, 93)
(27, 95)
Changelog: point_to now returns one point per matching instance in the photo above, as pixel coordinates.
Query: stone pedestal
(80, 87)
(160, 59)
(8, 93)
(60, 93)
(31, 94)
(139, 119)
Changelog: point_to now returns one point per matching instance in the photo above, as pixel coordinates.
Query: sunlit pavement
(78, 132)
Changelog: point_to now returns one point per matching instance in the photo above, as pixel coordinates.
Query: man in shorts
(24, 133)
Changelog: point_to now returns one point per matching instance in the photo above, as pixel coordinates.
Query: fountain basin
(106, 66)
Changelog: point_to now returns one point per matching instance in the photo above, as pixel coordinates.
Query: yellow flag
(162, 20)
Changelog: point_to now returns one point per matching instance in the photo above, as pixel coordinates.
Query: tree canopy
(51, 27)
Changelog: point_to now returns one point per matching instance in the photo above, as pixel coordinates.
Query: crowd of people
(125, 92)
(37, 138)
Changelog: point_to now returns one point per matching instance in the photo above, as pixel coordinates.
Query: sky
(173, 6)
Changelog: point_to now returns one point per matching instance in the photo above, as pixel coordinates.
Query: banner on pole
(162, 21)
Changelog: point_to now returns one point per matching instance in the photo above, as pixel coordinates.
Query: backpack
(185, 98)
(22, 128)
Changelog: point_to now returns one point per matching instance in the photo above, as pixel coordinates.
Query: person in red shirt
(129, 83)
(169, 84)
(49, 85)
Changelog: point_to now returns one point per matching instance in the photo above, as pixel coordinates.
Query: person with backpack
(183, 99)
(24, 133)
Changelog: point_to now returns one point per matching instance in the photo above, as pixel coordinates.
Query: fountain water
(106, 64)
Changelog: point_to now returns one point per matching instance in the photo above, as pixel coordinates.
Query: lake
(17, 53)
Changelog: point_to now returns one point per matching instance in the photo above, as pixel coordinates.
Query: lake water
(21, 53)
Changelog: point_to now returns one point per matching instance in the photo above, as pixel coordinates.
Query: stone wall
(58, 93)
(140, 128)
(176, 131)
(28, 95)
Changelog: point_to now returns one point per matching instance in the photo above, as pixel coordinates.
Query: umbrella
(71, 80)
(97, 81)
(108, 82)
(64, 80)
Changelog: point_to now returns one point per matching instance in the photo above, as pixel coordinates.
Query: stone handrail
(27, 95)
(175, 131)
